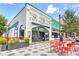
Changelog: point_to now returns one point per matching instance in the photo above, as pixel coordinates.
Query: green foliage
(13, 41)
(16, 40)
(26, 40)
(71, 22)
(3, 22)
(2, 41)
(10, 41)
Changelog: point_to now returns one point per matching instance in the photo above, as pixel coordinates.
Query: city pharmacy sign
(38, 17)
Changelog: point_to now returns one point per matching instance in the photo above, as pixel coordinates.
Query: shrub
(11, 41)
(26, 40)
(3, 41)
(16, 40)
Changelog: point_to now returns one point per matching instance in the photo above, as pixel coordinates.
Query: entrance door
(39, 33)
(42, 36)
(35, 36)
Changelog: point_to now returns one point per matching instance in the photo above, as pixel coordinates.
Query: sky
(9, 10)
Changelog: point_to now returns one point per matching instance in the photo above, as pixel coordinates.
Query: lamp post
(59, 23)
(59, 26)
(61, 37)
(7, 37)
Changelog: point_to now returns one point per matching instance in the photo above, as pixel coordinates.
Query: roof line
(17, 13)
(24, 7)
(38, 9)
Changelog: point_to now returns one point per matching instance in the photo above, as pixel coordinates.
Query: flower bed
(12, 43)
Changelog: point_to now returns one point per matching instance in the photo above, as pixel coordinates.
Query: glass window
(16, 32)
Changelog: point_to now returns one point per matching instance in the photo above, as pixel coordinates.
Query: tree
(71, 22)
(3, 23)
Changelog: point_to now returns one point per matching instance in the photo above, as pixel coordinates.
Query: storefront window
(21, 32)
(16, 32)
(55, 35)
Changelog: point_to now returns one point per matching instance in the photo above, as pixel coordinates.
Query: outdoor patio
(35, 49)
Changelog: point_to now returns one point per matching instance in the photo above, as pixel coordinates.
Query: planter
(3, 47)
(23, 44)
(17, 45)
(13, 46)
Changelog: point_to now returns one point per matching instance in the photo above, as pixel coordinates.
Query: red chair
(63, 48)
(73, 42)
(76, 48)
(54, 46)
(70, 47)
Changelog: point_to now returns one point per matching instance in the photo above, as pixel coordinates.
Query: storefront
(55, 28)
(32, 23)
(40, 33)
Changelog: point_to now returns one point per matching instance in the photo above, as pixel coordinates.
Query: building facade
(32, 23)
(55, 28)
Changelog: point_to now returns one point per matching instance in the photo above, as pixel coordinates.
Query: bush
(26, 40)
(16, 40)
(3, 41)
(11, 41)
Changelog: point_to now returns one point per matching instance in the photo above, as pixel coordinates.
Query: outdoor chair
(54, 46)
(76, 48)
(70, 47)
(63, 47)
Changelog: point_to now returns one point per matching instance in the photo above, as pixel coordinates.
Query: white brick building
(31, 22)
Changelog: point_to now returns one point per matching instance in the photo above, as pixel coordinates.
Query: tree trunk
(74, 34)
